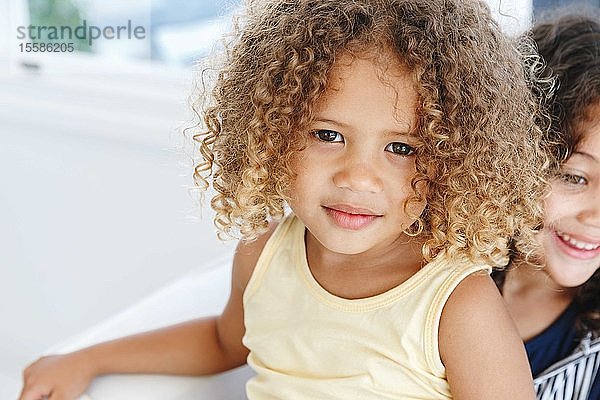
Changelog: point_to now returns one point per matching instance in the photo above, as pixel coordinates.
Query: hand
(58, 377)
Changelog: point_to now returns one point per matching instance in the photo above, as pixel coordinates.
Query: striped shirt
(573, 377)
(564, 366)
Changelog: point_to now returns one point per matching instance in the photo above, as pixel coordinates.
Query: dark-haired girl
(557, 308)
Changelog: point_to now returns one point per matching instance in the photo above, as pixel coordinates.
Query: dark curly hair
(570, 46)
(481, 154)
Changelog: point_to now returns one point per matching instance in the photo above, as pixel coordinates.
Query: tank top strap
(273, 245)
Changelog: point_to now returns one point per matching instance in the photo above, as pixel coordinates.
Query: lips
(577, 247)
(351, 217)
(579, 244)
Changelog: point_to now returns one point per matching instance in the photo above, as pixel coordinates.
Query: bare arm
(190, 348)
(198, 347)
(480, 347)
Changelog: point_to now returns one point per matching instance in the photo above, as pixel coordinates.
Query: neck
(404, 252)
(533, 299)
(354, 276)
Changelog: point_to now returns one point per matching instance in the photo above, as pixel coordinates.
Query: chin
(347, 247)
(571, 276)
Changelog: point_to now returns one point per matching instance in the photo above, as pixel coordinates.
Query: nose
(589, 214)
(357, 173)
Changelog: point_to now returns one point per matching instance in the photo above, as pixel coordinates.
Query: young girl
(557, 309)
(401, 135)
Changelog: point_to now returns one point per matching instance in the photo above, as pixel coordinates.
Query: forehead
(370, 85)
(588, 135)
(589, 128)
(589, 145)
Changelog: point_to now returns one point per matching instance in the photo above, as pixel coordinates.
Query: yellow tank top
(306, 343)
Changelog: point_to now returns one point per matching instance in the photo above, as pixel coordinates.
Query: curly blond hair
(481, 156)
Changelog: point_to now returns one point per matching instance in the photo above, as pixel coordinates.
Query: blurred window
(175, 32)
(542, 6)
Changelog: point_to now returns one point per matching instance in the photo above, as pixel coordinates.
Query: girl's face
(354, 175)
(571, 237)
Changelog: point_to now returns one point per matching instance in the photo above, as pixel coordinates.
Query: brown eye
(573, 179)
(327, 135)
(399, 148)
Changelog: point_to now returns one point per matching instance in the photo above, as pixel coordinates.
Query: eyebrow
(587, 155)
(331, 121)
(388, 133)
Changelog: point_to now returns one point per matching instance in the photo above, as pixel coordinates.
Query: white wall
(4, 32)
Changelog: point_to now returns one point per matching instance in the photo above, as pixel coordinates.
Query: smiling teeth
(577, 243)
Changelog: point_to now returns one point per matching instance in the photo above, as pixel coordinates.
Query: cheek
(556, 205)
(307, 159)
(543, 243)
(308, 175)
(404, 198)
(300, 165)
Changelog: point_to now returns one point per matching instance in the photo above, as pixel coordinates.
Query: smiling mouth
(578, 244)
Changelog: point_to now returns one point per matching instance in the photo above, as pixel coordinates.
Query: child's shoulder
(247, 254)
(476, 292)
(474, 305)
(479, 343)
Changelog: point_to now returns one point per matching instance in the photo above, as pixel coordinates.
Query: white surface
(201, 293)
(10, 387)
